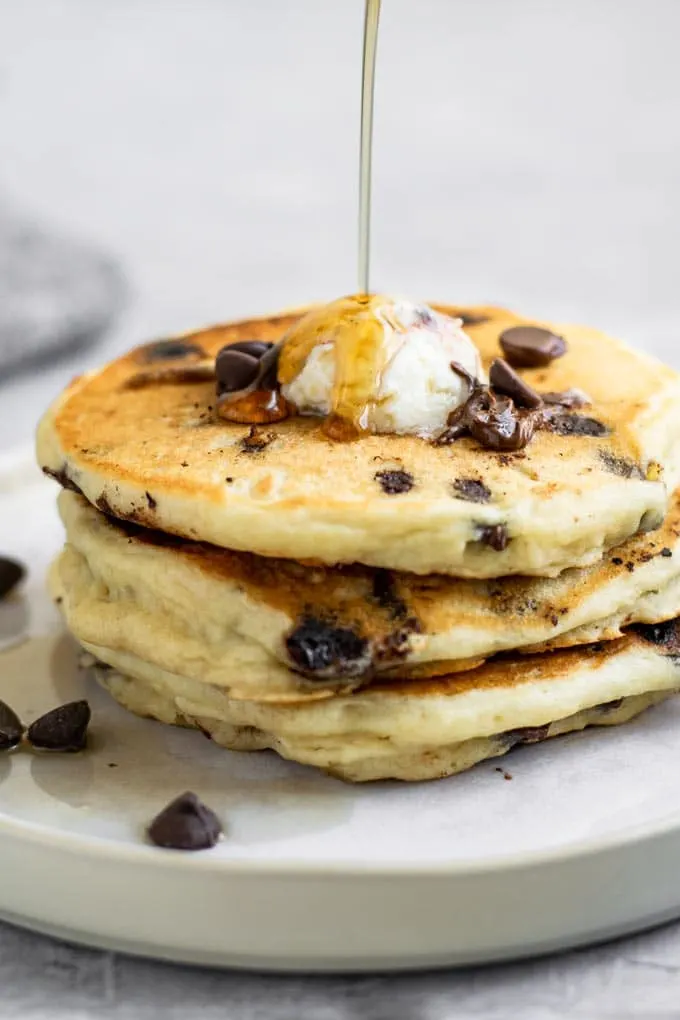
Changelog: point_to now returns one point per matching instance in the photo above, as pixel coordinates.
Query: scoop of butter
(372, 363)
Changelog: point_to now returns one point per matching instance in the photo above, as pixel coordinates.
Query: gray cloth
(56, 294)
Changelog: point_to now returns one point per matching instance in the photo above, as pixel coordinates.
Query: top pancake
(140, 440)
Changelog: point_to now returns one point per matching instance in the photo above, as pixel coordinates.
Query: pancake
(265, 629)
(141, 441)
(415, 730)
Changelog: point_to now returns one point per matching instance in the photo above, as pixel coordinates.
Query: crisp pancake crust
(141, 441)
(417, 730)
(243, 622)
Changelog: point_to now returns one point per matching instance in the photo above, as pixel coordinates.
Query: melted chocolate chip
(471, 490)
(323, 650)
(496, 423)
(11, 573)
(576, 425)
(11, 728)
(63, 478)
(393, 483)
(493, 535)
(397, 644)
(269, 367)
(386, 595)
(621, 466)
(256, 441)
(666, 552)
(664, 635)
(567, 398)
(167, 350)
(185, 824)
(151, 502)
(525, 735)
(505, 380)
(531, 346)
(62, 729)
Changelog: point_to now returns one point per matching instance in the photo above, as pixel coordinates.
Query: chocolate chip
(493, 535)
(525, 735)
(11, 728)
(531, 346)
(11, 573)
(666, 635)
(567, 398)
(185, 824)
(167, 350)
(269, 367)
(505, 380)
(576, 425)
(152, 504)
(386, 594)
(256, 441)
(621, 466)
(666, 552)
(256, 348)
(393, 483)
(617, 561)
(319, 648)
(62, 729)
(471, 490)
(63, 478)
(236, 370)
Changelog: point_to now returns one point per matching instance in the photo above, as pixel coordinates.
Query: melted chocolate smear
(11, 574)
(62, 729)
(621, 466)
(394, 483)
(531, 346)
(576, 425)
(322, 650)
(496, 423)
(11, 728)
(169, 350)
(494, 535)
(185, 824)
(663, 635)
(472, 490)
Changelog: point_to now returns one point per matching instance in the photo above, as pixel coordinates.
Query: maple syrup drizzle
(371, 21)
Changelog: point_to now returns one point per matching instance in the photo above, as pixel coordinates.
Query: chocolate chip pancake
(275, 630)
(416, 730)
(141, 440)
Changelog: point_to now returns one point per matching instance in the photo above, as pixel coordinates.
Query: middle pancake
(276, 630)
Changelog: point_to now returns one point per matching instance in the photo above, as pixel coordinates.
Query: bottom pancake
(416, 730)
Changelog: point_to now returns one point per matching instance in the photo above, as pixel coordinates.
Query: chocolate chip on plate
(62, 729)
(505, 380)
(531, 346)
(11, 728)
(185, 824)
(11, 573)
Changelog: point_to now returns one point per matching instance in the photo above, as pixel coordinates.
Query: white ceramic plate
(581, 845)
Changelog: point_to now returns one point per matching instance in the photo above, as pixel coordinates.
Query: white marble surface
(528, 153)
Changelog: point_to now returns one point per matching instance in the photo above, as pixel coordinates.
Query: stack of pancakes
(385, 607)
